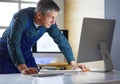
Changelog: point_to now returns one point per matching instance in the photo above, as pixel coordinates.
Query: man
(26, 27)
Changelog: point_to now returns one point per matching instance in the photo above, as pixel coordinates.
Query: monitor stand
(106, 56)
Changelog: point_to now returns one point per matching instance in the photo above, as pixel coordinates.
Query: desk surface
(71, 78)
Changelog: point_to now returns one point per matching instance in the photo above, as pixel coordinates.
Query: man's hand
(77, 66)
(81, 66)
(25, 70)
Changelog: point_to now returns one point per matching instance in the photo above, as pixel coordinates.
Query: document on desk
(59, 71)
(47, 73)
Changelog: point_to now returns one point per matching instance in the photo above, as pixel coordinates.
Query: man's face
(48, 19)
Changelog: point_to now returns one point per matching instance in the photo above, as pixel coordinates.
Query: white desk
(76, 78)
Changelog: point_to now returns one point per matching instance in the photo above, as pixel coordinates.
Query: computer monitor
(46, 44)
(96, 40)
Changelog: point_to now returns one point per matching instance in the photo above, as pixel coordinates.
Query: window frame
(20, 2)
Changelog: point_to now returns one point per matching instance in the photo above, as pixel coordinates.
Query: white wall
(74, 12)
(60, 17)
(112, 10)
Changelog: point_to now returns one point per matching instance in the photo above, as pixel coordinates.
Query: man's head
(46, 12)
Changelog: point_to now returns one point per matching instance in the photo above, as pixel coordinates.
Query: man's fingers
(30, 71)
(34, 70)
(85, 68)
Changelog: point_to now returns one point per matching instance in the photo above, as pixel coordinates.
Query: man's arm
(65, 47)
(62, 42)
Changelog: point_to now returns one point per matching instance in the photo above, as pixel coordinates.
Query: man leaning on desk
(26, 27)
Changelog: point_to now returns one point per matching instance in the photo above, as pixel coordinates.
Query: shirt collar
(36, 25)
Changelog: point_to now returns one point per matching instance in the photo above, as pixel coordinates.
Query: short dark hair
(44, 6)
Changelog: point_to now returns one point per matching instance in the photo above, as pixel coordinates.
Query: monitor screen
(46, 43)
(96, 39)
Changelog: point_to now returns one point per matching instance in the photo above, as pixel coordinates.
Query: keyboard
(47, 73)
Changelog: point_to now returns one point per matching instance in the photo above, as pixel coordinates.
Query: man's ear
(39, 15)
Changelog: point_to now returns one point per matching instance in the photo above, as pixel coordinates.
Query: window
(5, 15)
(31, 0)
(13, 6)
